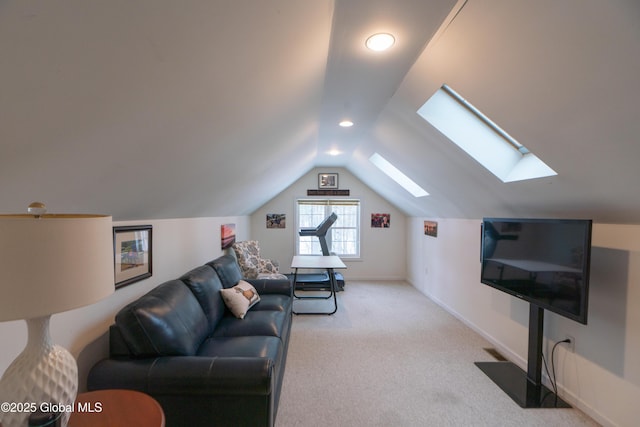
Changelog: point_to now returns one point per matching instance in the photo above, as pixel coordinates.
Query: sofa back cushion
(205, 285)
(167, 321)
(228, 270)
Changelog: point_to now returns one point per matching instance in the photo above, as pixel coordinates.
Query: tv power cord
(552, 376)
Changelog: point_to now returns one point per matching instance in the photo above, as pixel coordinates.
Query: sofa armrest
(272, 286)
(186, 375)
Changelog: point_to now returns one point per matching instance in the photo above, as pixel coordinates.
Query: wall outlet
(571, 346)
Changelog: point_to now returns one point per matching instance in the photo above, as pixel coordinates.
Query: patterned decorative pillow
(240, 298)
(272, 276)
(268, 267)
(252, 265)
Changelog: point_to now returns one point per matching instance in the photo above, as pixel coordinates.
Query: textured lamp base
(42, 374)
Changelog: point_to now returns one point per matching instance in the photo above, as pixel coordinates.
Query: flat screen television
(542, 261)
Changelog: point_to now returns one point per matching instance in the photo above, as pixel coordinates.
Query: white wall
(602, 376)
(178, 246)
(383, 255)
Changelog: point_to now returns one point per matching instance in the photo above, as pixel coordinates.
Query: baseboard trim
(567, 395)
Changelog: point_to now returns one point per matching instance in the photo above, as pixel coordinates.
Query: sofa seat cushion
(258, 346)
(264, 323)
(273, 302)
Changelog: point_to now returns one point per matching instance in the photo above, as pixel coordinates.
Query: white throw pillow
(240, 298)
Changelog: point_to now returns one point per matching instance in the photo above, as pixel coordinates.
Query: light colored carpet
(392, 357)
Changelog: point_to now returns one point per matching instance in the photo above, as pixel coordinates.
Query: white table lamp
(49, 263)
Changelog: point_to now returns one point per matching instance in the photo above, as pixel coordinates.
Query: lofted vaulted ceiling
(147, 109)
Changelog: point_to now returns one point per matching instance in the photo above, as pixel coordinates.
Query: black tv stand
(526, 388)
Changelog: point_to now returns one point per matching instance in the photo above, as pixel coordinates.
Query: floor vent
(496, 355)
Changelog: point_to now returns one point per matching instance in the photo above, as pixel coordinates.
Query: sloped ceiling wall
(157, 109)
(559, 76)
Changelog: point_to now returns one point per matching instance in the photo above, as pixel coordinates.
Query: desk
(316, 262)
(116, 408)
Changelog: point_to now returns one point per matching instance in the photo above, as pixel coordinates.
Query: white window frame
(330, 205)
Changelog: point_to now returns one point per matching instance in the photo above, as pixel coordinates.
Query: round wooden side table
(116, 408)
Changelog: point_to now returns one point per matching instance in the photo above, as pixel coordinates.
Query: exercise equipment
(319, 281)
(321, 232)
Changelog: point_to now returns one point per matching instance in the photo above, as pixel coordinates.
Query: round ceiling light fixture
(346, 123)
(380, 41)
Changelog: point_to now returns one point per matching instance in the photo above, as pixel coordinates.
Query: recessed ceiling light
(346, 123)
(379, 42)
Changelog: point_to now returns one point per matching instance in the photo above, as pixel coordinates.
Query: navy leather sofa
(181, 345)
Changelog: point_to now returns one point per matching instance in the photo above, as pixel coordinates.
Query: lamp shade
(53, 263)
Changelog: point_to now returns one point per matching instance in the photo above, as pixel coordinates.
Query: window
(481, 138)
(343, 238)
(399, 177)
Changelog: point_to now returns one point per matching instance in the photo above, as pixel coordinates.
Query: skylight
(395, 174)
(481, 138)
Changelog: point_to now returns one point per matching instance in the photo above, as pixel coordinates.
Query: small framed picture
(276, 221)
(327, 180)
(380, 220)
(132, 254)
(227, 235)
(431, 228)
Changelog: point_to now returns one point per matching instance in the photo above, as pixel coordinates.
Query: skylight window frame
(398, 176)
(481, 138)
(486, 120)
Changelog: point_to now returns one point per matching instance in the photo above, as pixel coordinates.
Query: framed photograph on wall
(227, 235)
(132, 254)
(276, 221)
(431, 228)
(327, 180)
(380, 220)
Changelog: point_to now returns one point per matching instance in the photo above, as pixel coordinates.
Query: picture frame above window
(132, 254)
(327, 181)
